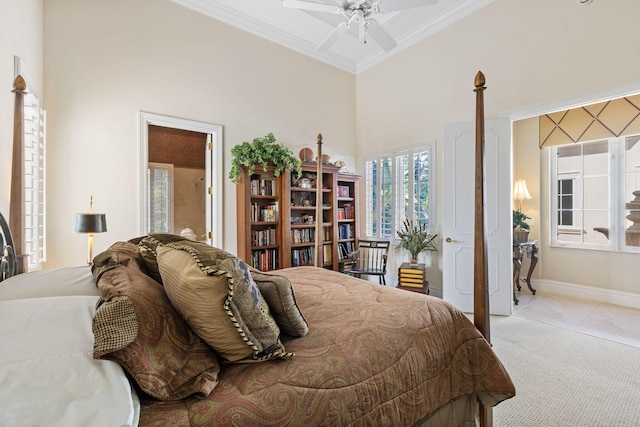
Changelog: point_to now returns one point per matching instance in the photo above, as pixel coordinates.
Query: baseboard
(626, 299)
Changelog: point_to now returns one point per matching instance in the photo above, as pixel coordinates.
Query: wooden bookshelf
(296, 218)
(259, 225)
(346, 219)
(300, 217)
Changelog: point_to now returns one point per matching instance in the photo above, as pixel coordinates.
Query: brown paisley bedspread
(374, 356)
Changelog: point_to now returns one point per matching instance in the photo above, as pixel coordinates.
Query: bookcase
(300, 217)
(346, 219)
(277, 226)
(259, 225)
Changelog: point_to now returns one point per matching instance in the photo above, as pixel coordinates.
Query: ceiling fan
(360, 13)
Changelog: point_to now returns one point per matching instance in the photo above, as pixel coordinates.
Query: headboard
(8, 263)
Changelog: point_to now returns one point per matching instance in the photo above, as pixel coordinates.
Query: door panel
(458, 225)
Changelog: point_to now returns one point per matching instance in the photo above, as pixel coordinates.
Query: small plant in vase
(263, 151)
(520, 227)
(416, 238)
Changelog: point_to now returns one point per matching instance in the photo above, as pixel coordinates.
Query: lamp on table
(520, 192)
(90, 223)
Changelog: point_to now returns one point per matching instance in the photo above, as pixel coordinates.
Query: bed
(163, 331)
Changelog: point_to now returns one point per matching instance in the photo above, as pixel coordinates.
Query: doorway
(176, 182)
(181, 178)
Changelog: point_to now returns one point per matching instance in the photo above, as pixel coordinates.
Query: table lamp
(90, 223)
(520, 192)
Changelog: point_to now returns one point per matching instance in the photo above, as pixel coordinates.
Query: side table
(531, 248)
(413, 278)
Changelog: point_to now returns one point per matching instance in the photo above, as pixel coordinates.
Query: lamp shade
(520, 191)
(90, 223)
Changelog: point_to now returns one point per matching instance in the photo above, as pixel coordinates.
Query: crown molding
(221, 12)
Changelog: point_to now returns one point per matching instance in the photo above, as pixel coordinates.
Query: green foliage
(263, 151)
(519, 221)
(416, 239)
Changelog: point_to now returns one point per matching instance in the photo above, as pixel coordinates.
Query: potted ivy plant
(416, 238)
(263, 151)
(520, 227)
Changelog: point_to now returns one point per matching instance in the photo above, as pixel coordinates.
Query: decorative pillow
(148, 245)
(278, 293)
(47, 373)
(214, 292)
(119, 253)
(137, 327)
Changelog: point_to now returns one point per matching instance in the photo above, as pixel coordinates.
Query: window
(33, 172)
(593, 184)
(398, 186)
(160, 193)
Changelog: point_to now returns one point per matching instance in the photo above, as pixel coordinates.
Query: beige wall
(21, 35)
(532, 53)
(103, 66)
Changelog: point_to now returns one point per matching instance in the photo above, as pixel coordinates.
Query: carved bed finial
(479, 81)
(19, 85)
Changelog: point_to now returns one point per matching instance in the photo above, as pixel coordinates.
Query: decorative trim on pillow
(278, 293)
(207, 285)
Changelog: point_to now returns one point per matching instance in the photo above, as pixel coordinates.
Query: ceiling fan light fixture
(360, 12)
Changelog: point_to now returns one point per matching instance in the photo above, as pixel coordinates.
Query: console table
(519, 249)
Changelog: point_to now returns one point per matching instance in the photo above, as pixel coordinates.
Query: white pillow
(49, 283)
(47, 372)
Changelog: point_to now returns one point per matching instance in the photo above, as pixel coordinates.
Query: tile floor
(608, 321)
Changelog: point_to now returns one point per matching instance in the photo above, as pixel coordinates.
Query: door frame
(214, 181)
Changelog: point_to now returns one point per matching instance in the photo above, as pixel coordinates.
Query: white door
(458, 225)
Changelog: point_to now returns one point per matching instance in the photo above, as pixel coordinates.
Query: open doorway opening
(181, 177)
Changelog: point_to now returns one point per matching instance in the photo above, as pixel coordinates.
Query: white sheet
(49, 283)
(47, 373)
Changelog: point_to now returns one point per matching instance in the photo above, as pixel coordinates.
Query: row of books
(268, 213)
(345, 231)
(346, 212)
(302, 256)
(263, 187)
(303, 235)
(343, 191)
(345, 249)
(265, 259)
(345, 267)
(264, 237)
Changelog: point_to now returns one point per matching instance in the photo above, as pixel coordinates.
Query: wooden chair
(370, 259)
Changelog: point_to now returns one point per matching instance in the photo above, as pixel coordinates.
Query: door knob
(449, 240)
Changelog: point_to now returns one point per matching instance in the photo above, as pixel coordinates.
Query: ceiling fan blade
(380, 35)
(393, 5)
(307, 5)
(333, 36)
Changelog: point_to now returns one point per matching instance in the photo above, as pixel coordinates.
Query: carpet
(565, 378)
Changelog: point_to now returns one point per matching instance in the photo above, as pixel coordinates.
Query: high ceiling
(303, 30)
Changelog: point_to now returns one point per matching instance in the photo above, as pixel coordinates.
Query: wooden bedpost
(16, 202)
(319, 217)
(480, 273)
